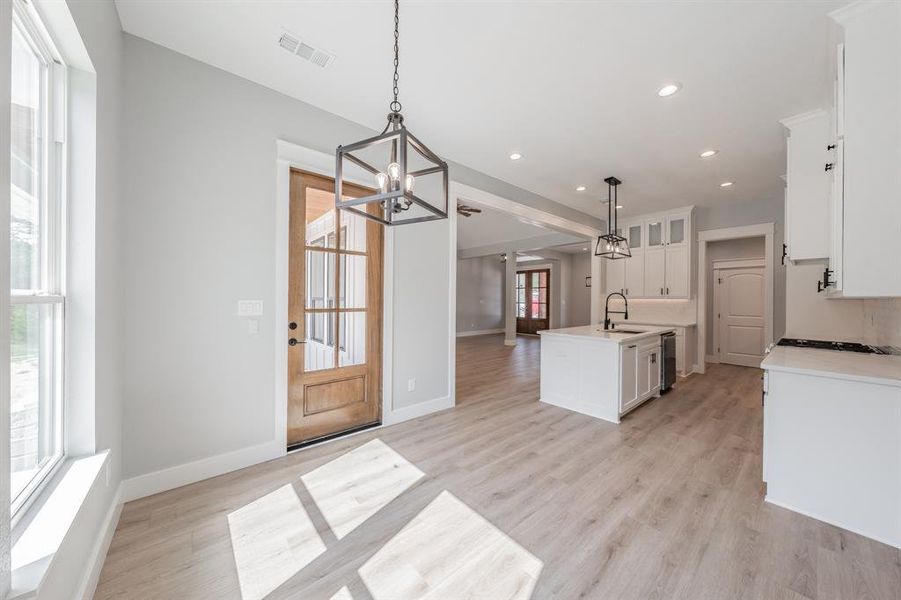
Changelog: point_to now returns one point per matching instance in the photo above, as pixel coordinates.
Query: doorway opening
(736, 294)
(334, 314)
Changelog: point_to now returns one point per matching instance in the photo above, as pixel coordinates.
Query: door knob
(294, 342)
(292, 325)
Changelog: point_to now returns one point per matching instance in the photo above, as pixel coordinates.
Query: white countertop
(658, 322)
(598, 333)
(868, 368)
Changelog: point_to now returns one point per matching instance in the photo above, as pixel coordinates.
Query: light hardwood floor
(505, 497)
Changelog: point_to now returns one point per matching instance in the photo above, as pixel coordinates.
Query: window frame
(51, 289)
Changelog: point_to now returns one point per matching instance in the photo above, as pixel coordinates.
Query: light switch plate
(250, 308)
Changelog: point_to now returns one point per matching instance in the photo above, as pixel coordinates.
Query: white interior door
(738, 302)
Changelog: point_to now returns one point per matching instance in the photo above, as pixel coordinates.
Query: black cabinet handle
(830, 147)
(830, 166)
(784, 253)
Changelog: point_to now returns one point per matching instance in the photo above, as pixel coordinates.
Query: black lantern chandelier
(408, 163)
(611, 245)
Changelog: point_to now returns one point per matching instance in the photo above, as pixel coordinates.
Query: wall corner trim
(170, 478)
(95, 561)
(419, 409)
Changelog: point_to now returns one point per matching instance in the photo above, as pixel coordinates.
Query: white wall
(480, 294)
(743, 248)
(579, 295)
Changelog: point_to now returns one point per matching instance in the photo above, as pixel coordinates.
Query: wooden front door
(533, 300)
(334, 313)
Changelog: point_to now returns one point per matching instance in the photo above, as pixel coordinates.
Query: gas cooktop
(843, 346)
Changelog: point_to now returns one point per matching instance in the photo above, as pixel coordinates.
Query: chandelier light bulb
(381, 181)
(409, 181)
(394, 171)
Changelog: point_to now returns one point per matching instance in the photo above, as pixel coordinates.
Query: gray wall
(480, 294)
(198, 223)
(728, 250)
(579, 295)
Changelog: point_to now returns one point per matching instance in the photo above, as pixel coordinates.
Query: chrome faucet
(608, 324)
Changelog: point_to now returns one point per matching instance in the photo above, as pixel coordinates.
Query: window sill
(42, 530)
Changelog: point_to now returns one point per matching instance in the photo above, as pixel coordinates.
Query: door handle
(294, 342)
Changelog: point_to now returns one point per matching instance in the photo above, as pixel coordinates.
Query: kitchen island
(600, 373)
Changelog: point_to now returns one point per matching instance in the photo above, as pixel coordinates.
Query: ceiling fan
(467, 211)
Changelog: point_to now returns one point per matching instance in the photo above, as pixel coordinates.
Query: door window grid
(37, 260)
(335, 263)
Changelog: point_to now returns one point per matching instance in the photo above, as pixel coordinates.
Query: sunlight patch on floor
(356, 485)
(449, 551)
(272, 538)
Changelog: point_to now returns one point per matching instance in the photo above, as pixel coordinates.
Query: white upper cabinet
(615, 278)
(808, 183)
(660, 262)
(868, 127)
(634, 266)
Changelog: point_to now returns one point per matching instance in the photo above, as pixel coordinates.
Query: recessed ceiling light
(669, 89)
(619, 206)
(708, 153)
(581, 188)
(584, 249)
(726, 183)
(515, 156)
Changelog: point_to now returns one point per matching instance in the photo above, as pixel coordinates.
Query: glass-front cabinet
(661, 255)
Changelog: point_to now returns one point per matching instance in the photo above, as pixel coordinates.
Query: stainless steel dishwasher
(667, 361)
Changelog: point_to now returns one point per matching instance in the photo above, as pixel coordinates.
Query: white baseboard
(479, 332)
(101, 546)
(711, 359)
(509, 342)
(896, 543)
(417, 410)
(198, 470)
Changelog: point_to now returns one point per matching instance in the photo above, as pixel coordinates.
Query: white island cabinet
(603, 374)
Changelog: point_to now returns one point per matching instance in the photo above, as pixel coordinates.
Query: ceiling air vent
(292, 44)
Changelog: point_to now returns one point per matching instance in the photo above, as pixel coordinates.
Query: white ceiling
(495, 227)
(572, 86)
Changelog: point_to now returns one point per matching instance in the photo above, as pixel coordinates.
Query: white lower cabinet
(640, 373)
(628, 376)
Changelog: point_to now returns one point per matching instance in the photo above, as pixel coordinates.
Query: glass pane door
(676, 231)
(335, 282)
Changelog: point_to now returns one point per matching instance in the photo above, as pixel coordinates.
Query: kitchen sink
(618, 330)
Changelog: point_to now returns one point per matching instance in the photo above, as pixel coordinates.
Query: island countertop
(624, 333)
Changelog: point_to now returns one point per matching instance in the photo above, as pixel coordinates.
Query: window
(36, 256)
